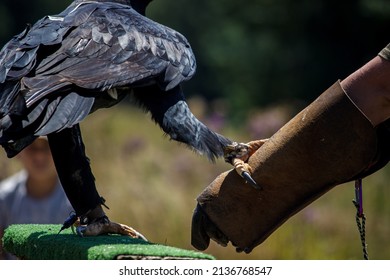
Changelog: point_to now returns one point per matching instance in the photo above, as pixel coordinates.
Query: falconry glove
(329, 143)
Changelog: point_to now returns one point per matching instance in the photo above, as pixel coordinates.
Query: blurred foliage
(255, 53)
(264, 52)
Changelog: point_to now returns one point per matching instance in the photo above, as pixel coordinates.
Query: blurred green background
(259, 63)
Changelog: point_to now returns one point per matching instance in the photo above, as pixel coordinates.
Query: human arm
(331, 141)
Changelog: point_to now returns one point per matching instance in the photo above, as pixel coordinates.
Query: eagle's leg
(74, 170)
(238, 154)
(76, 177)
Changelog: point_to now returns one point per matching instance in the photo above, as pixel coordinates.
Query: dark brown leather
(328, 143)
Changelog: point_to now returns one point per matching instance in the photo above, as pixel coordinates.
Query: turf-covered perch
(41, 242)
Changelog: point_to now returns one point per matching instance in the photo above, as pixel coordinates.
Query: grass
(151, 184)
(42, 242)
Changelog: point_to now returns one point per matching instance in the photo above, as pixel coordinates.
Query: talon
(103, 225)
(244, 170)
(80, 230)
(238, 154)
(68, 222)
(250, 180)
(133, 233)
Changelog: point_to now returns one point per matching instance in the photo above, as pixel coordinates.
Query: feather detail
(63, 67)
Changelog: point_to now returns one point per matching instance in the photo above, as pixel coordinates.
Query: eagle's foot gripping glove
(330, 142)
(237, 154)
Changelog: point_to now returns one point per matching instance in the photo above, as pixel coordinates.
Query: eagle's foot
(238, 154)
(103, 225)
(95, 222)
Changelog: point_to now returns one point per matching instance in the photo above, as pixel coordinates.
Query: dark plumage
(90, 56)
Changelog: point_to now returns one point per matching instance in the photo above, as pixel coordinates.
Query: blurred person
(34, 195)
(341, 136)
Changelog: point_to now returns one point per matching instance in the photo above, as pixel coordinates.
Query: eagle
(90, 56)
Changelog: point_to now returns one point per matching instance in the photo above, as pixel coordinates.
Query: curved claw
(250, 180)
(80, 230)
(238, 154)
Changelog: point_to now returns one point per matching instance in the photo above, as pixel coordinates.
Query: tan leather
(328, 143)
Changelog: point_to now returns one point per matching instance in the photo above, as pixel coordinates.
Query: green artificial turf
(41, 242)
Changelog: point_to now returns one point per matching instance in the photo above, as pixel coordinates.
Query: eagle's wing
(51, 73)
